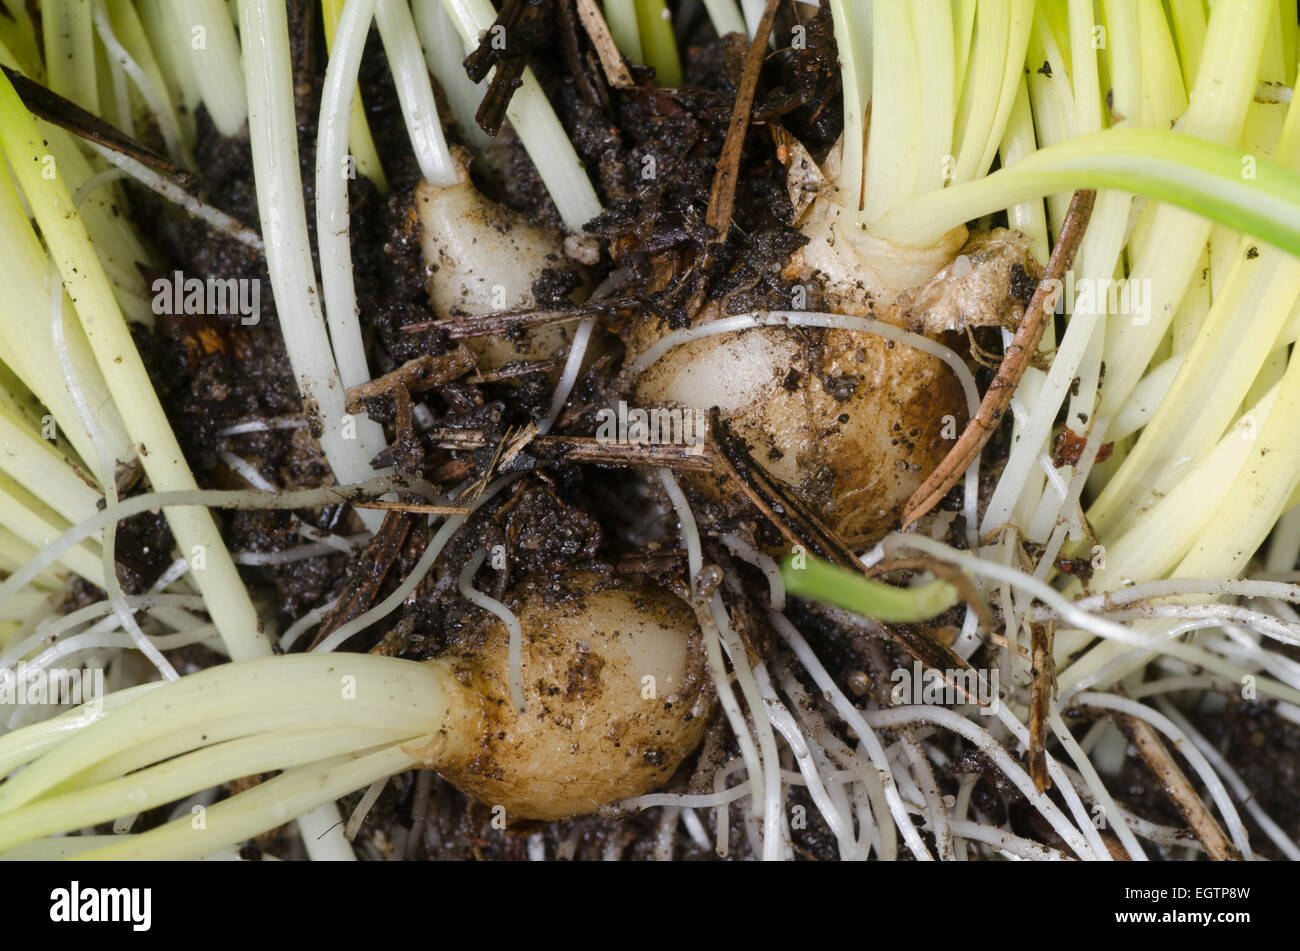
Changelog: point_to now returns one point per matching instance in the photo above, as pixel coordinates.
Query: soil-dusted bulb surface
(850, 421)
(483, 258)
(616, 695)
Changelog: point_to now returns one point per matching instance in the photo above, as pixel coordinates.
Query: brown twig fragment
(451, 472)
(518, 29)
(489, 325)
(66, 114)
(413, 508)
(415, 376)
(804, 529)
(1179, 790)
(722, 196)
(515, 370)
(405, 448)
(517, 443)
(368, 574)
(583, 78)
(592, 450)
(1018, 355)
(479, 486)
(1040, 695)
(611, 60)
(458, 439)
(794, 520)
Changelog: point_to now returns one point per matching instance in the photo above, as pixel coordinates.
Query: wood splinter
(611, 60)
(1018, 356)
(1178, 788)
(425, 372)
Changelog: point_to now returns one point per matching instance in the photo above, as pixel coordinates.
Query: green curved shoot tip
(1233, 188)
(817, 580)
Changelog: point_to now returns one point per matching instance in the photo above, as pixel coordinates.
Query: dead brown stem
(722, 196)
(611, 61)
(415, 376)
(368, 573)
(66, 114)
(1040, 694)
(592, 450)
(414, 508)
(1018, 355)
(801, 527)
(1176, 786)
(503, 322)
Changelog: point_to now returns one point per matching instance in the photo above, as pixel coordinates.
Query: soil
(563, 513)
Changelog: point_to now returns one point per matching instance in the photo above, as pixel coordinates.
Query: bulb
(616, 695)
